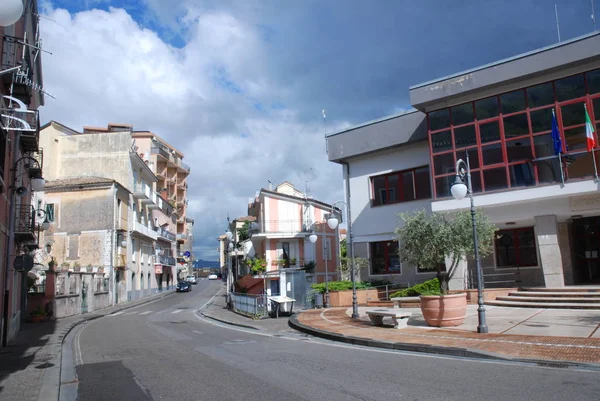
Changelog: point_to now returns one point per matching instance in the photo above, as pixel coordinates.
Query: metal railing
(166, 234)
(253, 305)
(166, 260)
(385, 291)
(145, 230)
(25, 219)
(280, 226)
(160, 149)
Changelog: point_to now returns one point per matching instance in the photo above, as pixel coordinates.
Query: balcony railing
(182, 236)
(24, 222)
(159, 149)
(280, 227)
(166, 260)
(142, 190)
(142, 229)
(166, 234)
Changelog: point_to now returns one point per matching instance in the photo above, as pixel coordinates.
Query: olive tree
(427, 239)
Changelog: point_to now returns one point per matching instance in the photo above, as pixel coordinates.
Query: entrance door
(586, 241)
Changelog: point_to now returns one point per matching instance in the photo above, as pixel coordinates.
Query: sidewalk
(217, 310)
(539, 341)
(30, 365)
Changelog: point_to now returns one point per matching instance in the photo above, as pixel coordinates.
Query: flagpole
(593, 150)
(557, 147)
(562, 173)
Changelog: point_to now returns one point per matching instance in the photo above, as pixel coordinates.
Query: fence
(254, 305)
(384, 291)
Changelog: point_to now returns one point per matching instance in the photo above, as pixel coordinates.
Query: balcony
(166, 260)
(183, 166)
(182, 237)
(161, 151)
(165, 234)
(25, 121)
(144, 230)
(283, 227)
(142, 191)
(25, 229)
(15, 53)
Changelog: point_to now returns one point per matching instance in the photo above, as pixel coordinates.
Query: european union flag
(556, 136)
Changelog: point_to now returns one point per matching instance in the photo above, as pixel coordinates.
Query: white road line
(145, 313)
(78, 353)
(196, 331)
(116, 314)
(177, 311)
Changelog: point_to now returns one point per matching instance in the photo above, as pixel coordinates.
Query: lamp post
(229, 248)
(333, 222)
(460, 188)
(313, 238)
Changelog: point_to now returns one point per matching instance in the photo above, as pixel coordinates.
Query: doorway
(586, 250)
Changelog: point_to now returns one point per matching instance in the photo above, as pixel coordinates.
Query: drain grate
(179, 322)
(553, 365)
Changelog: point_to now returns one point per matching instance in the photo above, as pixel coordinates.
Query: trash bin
(318, 300)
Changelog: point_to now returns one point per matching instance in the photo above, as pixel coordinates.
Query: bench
(399, 301)
(399, 317)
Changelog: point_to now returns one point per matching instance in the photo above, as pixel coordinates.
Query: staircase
(553, 298)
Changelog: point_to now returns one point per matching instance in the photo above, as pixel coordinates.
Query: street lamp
(10, 11)
(230, 246)
(333, 222)
(460, 188)
(313, 238)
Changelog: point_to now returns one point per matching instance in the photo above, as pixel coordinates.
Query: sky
(239, 86)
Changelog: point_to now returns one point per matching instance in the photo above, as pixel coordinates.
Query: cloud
(202, 98)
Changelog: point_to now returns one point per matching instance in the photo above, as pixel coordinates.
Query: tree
(243, 233)
(427, 239)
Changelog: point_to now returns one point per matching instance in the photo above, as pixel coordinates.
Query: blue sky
(247, 79)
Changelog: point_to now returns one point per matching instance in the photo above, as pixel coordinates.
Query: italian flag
(589, 132)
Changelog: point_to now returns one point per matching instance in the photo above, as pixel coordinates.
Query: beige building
(111, 153)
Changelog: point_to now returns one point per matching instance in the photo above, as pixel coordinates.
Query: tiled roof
(78, 181)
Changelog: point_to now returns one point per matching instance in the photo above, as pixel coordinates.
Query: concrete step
(545, 305)
(578, 289)
(547, 294)
(388, 304)
(516, 298)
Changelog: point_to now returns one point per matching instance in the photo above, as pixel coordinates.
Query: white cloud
(210, 98)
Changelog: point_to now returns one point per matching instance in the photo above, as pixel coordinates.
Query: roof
(43, 127)
(142, 134)
(297, 198)
(245, 218)
(79, 182)
(378, 120)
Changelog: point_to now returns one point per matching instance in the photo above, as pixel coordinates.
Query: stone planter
(344, 298)
(444, 310)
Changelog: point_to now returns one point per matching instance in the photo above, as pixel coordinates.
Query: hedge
(429, 287)
(340, 286)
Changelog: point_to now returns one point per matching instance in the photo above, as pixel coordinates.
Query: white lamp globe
(229, 235)
(458, 189)
(45, 225)
(312, 238)
(230, 247)
(38, 184)
(332, 222)
(10, 11)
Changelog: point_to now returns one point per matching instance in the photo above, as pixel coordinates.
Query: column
(458, 282)
(550, 260)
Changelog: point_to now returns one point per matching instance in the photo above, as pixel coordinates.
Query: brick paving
(571, 349)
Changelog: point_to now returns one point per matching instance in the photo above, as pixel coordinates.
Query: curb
(228, 322)
(433, 349)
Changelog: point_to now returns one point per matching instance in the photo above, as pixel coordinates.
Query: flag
(556, 135)
(589, 131)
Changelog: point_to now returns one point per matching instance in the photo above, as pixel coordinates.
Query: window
(441, 266)
(508, 136)
(133, 250)
(385, 258)
(50, 216)
(516, 248)
(401, 186)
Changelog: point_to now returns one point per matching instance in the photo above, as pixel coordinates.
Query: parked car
(191, 279)
(213, 277)
(184, 286)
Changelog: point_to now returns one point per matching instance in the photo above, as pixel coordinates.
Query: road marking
(78, 353)
(116, 314)
(177, 311)
(145, 313)
(197, 332)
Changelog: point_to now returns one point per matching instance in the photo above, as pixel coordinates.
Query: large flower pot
(444, 310)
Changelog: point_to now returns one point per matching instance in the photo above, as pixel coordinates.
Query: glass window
(379, 197)
(548, 171)
(439, 119)
(473, 157)
(489, 132)
(486, 108)
(476, 181)
(465, 136)
(408, 186)
(570, 88)
(596, 109)
(512, 102)
(462, 114)
(444, 164)
(392, 187)
(385, 258)
(579, 166)
(516, 247)
(442, 186)
(540, 95)
(521, 175)
(573, 114)
(516, 126)
(492, 154)
(441, 141)
(541, 120)
(422, 183)
(575, 138)
(593, 81)
(543, 146)
(519, 149)
(495, 179)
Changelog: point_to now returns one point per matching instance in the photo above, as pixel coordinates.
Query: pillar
(458, 282)
(550, 259)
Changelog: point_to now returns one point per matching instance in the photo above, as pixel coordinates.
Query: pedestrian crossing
(148, 312)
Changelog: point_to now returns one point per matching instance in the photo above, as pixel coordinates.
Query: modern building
(110, 153)
(21, 94)
(546, 204)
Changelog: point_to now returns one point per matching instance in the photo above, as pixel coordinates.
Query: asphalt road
(164, 351)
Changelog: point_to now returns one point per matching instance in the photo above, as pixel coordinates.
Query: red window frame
(400, 187)
(386, 256)
(515, 235)
(457, 152)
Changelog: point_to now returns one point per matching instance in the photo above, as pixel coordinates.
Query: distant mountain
(206, 263)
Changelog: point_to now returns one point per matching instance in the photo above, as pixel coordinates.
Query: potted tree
(439, 242)
(51, 264)
(37, 315)
(293, 262)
